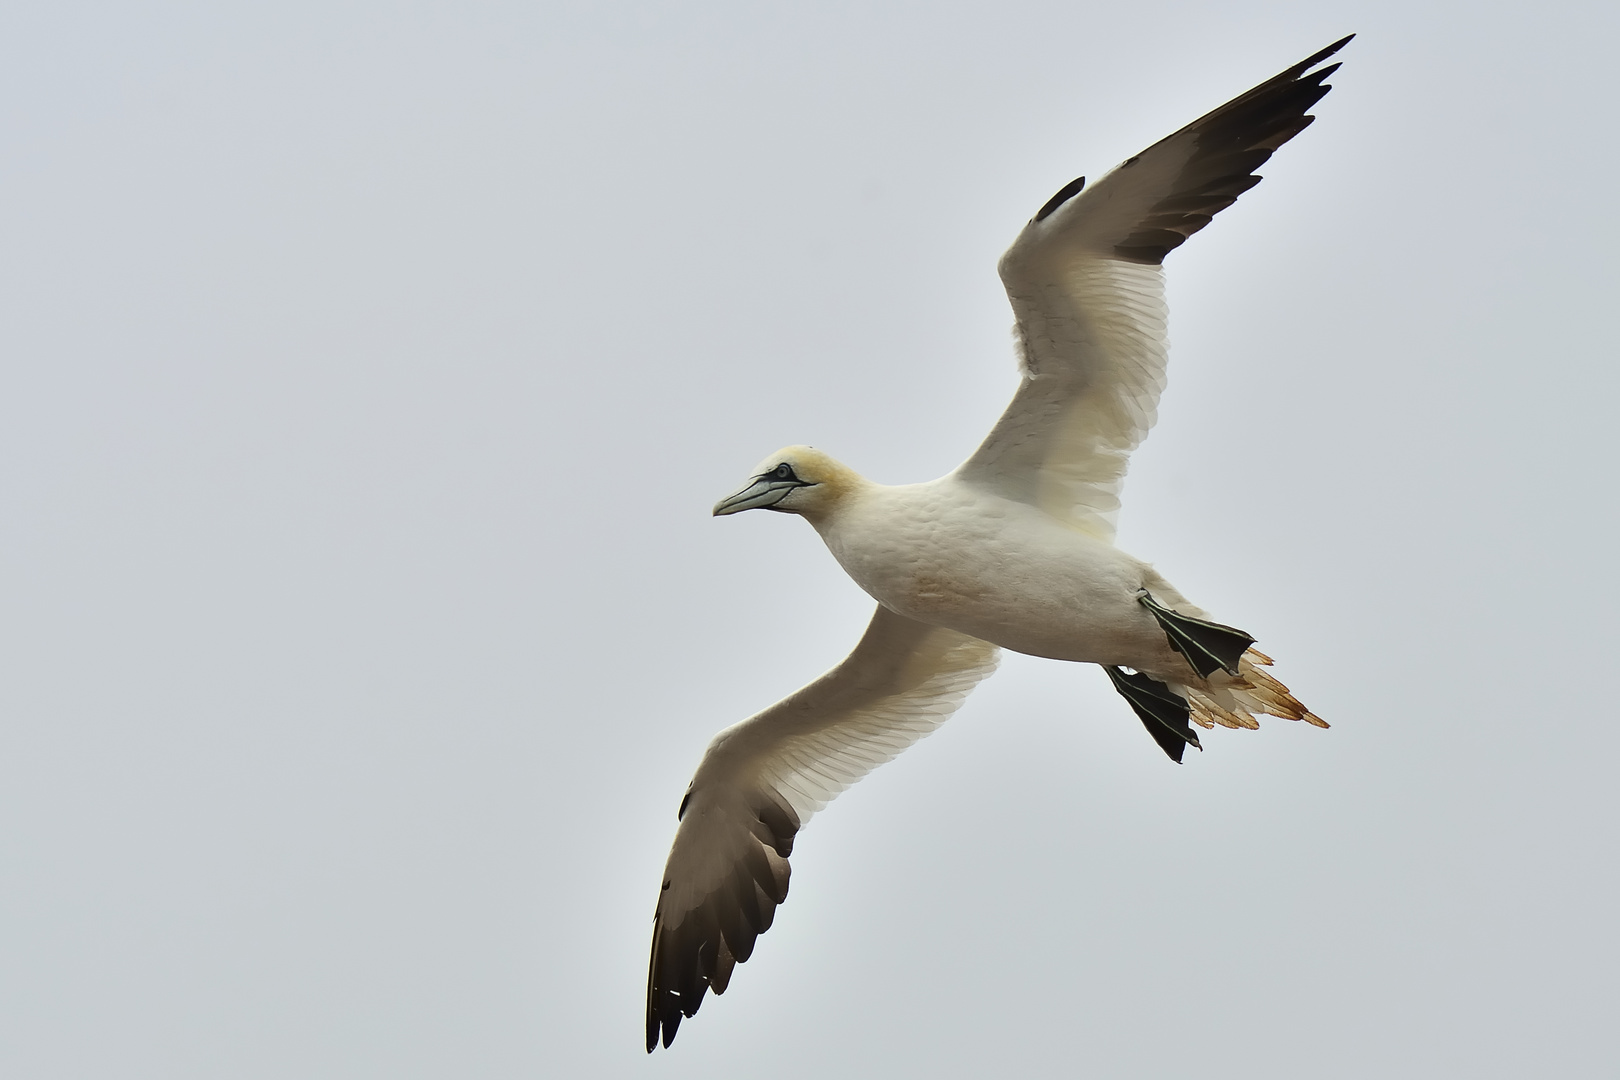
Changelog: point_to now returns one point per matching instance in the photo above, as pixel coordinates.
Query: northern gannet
(1012, 550)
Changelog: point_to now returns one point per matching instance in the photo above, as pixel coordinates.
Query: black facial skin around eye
(783, 471)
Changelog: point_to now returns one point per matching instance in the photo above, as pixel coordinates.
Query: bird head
(795, 480)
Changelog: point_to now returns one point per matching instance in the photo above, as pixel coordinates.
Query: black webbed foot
(1163, 711)
(1208, 646)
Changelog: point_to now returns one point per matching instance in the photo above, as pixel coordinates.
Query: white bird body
(953, 554)
(1014, 549)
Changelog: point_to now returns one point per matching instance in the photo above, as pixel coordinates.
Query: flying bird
(1014, 549)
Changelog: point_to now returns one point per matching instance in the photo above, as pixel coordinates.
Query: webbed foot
(1208, 646)
(1162, 711)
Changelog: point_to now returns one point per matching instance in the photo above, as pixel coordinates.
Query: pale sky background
(369, 371)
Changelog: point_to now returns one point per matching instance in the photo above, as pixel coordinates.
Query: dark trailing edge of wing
(698, 954)
(1230, 143)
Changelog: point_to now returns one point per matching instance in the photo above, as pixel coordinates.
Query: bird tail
(1234, 701)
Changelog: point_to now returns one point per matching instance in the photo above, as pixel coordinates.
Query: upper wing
(1086, 286)
(760, 781)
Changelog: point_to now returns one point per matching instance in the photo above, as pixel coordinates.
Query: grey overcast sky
(369, 371)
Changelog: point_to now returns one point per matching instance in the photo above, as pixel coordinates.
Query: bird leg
(1208, 646)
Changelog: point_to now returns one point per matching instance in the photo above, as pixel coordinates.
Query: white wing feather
(1092, 333)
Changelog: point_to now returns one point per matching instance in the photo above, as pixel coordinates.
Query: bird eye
(783, 471)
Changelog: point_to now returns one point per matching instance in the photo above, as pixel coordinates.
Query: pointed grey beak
(764, 491)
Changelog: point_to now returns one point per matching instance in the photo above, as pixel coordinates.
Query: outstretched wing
(760, 781)
(1086, 286)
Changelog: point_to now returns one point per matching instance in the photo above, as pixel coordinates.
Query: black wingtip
(1229, 143)
(1306, 65)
